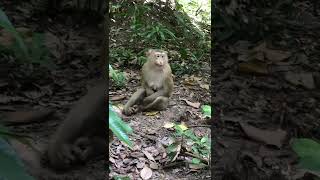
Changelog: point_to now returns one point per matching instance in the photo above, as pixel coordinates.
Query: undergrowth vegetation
(182, 29)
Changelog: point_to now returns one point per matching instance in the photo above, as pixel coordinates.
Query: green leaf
(11, 166)
(118, 127)
(6, 24)
(121, 178)
(4, 18)
(309, 153)
(162, 36)
(206, 110)
(195, 161)
(204, 139)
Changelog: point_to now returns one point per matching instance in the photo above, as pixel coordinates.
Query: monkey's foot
(131, 110)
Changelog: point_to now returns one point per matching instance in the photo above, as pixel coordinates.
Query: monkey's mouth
(158, 63)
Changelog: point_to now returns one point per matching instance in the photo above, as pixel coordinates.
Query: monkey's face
(160, 58)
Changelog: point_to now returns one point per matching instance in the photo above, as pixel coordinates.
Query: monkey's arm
(135, 98)
(166, 91)
(84, 118)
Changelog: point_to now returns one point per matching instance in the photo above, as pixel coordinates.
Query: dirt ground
(149, 132)
(75, 48)
(279, 94)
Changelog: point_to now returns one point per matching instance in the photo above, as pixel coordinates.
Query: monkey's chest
(155, 82)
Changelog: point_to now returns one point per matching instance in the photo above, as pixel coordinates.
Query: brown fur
(156, 84)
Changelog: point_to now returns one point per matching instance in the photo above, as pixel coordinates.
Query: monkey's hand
(149, 91)
(86, 147)
(82, 148)
(61, 158)
(127, 110)
(130, 110)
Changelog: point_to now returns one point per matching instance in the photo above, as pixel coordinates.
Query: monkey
(83, 134)
(156, 84)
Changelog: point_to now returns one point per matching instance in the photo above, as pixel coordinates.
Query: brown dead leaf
(34, 94)
(275, 138)
(7, 99)
(272, 54)
(154, 165)
(141, 164)
(23, 117)
(117, 98)
(148, 155)
(195, 105)
(146, 173)
(151, 113)
(254, 67)
(196, 167)
(304, 79)
(204, 86)
(277, 55)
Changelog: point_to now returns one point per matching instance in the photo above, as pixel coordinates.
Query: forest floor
(149, 134)
(75, 49)
(267, 93)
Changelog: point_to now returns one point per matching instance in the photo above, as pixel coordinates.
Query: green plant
(11, 166)
(118, 77)
(309, 152)
(200, 146)
(27, 52)
(118, 127)
(156, 32)
(206, 110)
(121, 55)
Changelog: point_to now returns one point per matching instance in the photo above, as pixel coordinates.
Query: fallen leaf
(117, 98)
(168, 125)
(205, 86)
(183, 126)
(275, 138)
(195, 105)
(141, 164)
(254, 67)
(151, 113)
(146, 173)
(196, 167)
(23, 117)
(154, 165)
(276, 55)
(304, 79)
(272, 54)
(148, 155)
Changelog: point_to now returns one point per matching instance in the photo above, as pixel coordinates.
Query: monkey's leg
(150, 99)
(135, 98)
(159, 104)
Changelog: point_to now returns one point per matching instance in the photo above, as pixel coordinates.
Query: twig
(177, 163)
(196, 156)
(200, 126)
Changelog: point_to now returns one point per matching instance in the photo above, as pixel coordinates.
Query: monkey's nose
(160, 63)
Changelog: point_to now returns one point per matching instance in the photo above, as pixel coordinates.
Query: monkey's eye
(157, 56)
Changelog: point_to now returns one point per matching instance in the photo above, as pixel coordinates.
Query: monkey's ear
(149, 52)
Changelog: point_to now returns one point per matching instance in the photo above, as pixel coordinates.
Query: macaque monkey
(83, 134)
(156, 84)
